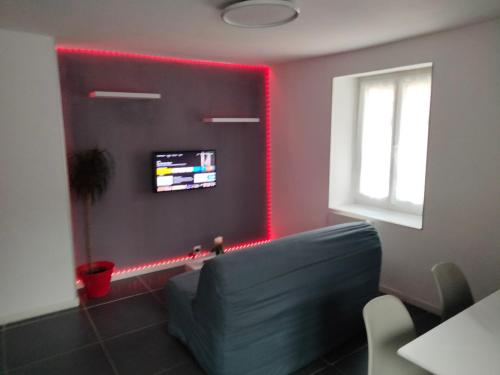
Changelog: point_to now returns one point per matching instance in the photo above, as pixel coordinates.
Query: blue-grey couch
(273, 308)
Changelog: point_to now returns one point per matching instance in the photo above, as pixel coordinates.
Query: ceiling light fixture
(260, 13)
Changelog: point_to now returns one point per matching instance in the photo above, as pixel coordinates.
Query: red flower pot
(96, 277)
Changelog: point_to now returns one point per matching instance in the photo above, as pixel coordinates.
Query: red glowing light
(165, 59)
(245, 245)
(267, 108)
(185, 258)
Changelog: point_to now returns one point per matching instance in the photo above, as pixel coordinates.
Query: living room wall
(462, 213)
(132, 225)
(36, 261)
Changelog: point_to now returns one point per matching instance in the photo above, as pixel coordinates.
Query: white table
(467, 344)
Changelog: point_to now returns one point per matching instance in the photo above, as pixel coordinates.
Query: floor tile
(2, 362)
(157, 280)
(415, 312)
(426, 323)
(119, 289)
(86, 361)
(147, 351)
(160, 296)
(312, 368)
(330, 370)
(347, 348)
(354, 364)
(47, 337)
(43, 317)
(137, 340)
(189, 368)
(125, 315)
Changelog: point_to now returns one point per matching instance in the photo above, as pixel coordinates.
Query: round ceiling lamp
(260, 13)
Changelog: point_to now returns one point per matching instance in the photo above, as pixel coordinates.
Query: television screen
(184, 170)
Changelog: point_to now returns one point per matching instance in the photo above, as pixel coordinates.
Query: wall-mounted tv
(183, 170)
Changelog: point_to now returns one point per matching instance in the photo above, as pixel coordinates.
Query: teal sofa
(273, 308)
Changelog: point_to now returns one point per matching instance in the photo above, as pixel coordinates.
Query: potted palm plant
(90, 173)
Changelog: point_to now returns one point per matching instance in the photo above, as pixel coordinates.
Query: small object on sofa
(196, 252)
(276, 307)
(218, 245)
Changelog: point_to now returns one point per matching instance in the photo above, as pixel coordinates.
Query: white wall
(462, 203)
(36, 260)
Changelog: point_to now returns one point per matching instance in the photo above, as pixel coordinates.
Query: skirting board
(27, 314)
(151, 269)
(424, 305)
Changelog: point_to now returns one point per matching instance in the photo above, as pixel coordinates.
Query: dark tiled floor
(47, 337)
(147, 351)
(1, 351)
(125, 333)
(85, 361)
(125, 315)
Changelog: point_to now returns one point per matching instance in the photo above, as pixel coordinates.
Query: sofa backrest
(248, 286)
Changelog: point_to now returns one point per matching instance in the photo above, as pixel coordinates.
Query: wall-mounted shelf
(124, 95)
(211, 120)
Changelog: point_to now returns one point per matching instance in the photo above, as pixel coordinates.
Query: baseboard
(149, 269)
(424, 305)
(75, 302)
(32, 313)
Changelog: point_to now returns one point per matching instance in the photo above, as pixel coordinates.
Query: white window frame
(389, 203)
(345, 151)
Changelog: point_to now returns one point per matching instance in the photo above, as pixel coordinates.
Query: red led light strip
(267, 108)
(165, 59)
(185, 258)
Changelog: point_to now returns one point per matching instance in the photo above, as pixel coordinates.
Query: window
(387, 130)
(393, 115)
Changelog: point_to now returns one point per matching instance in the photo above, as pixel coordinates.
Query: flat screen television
(183, 170)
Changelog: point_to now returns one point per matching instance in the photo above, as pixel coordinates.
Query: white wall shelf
(212, 120)
(124, 95)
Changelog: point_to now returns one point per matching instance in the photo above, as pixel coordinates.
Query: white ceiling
(193, 28)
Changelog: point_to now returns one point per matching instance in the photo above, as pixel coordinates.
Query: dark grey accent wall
(132, 225)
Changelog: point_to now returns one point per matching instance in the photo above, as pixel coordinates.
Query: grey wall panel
(131, 224)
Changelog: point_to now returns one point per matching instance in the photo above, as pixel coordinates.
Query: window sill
(358, 211)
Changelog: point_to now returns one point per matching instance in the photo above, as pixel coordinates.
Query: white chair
(453, 288)
(388, 327)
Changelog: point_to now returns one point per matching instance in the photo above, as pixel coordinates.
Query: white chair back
(388, 327)
(453, 288)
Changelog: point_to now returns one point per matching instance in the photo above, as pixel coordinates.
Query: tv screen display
(184, 170)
